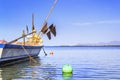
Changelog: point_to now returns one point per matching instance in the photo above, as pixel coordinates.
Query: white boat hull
(13, 52)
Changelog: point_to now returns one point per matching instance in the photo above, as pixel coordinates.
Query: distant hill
(112, 43)
(109, 43)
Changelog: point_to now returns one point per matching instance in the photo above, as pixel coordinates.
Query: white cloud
(96, 23)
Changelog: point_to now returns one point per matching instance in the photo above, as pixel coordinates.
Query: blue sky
(77, 21)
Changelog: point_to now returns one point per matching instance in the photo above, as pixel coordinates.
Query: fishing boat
(11, 52)
(30, 46)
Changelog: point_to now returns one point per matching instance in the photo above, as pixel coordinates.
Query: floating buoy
(51, 53)
(67, 69)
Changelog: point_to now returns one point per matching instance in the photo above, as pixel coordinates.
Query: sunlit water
(89, 63)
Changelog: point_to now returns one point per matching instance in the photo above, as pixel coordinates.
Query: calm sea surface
(89, 63)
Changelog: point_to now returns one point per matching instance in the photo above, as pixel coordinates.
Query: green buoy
(67, 69)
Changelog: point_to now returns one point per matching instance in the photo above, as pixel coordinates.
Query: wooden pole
(20, 37)
(46, 19)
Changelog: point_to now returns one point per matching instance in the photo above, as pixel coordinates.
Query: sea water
(88, 63)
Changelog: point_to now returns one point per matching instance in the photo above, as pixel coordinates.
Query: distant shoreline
(94, 46)
(86, 46)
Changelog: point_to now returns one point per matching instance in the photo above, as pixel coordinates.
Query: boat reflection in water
(24, 70)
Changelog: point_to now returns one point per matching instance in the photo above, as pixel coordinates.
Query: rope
(44, 51)
(30, 57)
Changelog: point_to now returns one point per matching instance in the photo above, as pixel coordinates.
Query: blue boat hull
(10, 52)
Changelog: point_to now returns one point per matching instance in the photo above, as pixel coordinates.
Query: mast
(33, 27)
(23, 34)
